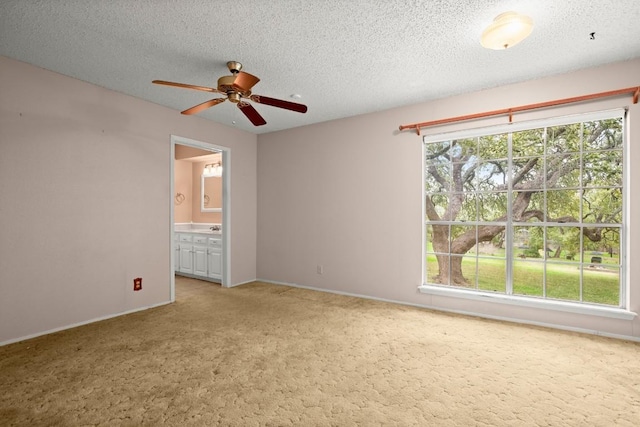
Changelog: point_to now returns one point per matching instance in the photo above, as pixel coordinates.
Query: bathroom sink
(187, 229)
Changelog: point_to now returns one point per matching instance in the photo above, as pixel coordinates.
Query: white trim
(462, 312)
(293, 285)
(530, 124)
(226, 218)
(534, 323)
(243, 283)
(332, 291)
(625, 241)
(226, 205)
(172, 244)
(83, 323)
(423, 214)
(531, 302)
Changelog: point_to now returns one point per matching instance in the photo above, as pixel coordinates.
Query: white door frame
(226, 206)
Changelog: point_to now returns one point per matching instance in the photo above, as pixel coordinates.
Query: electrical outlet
(137, 283)
(320, 269)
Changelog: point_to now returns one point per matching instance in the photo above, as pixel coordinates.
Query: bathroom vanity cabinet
(198, 255)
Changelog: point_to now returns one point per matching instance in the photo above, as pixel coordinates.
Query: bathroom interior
(198, 198)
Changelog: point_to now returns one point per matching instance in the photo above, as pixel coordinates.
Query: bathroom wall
(197, 214)
(183, 189)
(188, 171)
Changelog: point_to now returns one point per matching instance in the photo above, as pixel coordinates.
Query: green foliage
(568, 176)
(532, 252)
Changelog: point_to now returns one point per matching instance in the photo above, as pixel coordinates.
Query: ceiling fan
(237, 89)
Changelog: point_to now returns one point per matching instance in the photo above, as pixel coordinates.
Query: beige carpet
(266, 355)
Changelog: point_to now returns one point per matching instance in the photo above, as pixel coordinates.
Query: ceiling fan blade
(300, 108)
(251, 113)
(244, 81)
(203, 106)
(186, 86)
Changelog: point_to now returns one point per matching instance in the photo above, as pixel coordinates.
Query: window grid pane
(534, 213)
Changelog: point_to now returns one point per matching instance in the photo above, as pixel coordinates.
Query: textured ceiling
(344, 57)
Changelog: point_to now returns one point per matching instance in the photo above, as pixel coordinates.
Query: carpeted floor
(266, 355)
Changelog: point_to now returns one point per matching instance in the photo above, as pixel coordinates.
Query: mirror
(211, 194)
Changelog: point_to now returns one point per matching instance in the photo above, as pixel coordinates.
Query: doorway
(179, 143)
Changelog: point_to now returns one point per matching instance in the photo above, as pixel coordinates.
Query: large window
(534, 212)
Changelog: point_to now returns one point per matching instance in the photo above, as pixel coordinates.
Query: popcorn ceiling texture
(344, 57)
(268, 355)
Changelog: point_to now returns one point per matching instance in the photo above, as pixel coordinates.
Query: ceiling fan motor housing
(225, 83)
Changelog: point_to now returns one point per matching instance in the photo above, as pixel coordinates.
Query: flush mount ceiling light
(507, 30)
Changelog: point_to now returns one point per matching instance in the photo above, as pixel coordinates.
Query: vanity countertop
(198, 228)
(217, 232)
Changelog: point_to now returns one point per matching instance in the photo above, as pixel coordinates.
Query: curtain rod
(630, 90)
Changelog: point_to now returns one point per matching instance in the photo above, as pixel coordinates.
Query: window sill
(569, 307)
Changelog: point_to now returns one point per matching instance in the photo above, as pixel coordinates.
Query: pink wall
(183, 184)
(188, 171)
(197, 214)
(347, 195)
(85, 200)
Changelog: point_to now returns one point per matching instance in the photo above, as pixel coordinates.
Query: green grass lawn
(600, 284)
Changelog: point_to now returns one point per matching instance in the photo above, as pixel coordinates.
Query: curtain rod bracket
(510, 115)
(636, 95)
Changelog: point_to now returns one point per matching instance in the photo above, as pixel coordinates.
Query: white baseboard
(464, 313)
(242, 283)
(75, 325)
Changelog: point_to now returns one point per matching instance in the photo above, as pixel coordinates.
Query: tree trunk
(450, 268)
(450, 271)
(456, 272)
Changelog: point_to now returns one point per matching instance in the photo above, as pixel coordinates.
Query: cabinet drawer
(200, 239)
(215, 242)
(186, 237)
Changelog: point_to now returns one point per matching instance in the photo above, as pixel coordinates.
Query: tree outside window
(536, 212)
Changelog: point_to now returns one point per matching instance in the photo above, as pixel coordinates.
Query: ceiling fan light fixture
(507, 30)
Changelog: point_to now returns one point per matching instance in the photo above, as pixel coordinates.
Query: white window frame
(535, 302)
